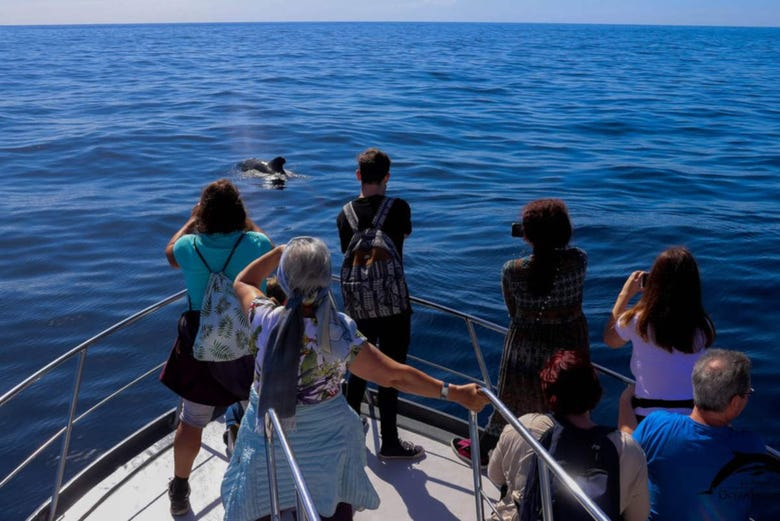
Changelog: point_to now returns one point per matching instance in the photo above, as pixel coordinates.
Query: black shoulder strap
(230, 256)
(232, 252)
(195, 245)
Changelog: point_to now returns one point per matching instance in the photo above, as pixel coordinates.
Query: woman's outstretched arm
(370, 364)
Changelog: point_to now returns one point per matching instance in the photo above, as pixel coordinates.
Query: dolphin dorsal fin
(277, 164)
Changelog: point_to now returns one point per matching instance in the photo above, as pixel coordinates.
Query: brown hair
(374, 165)
(671, 305)
(221, 209)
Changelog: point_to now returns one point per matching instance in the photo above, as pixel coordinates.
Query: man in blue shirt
(699, 467)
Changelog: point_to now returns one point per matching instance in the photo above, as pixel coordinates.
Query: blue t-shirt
(215, 248)
(698, 472)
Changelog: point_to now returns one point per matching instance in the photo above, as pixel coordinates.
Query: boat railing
(546, 465)
(80, 353)
(305, 504)
(471, 321)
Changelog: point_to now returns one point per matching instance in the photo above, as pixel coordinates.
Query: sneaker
(180, 500)
(462, 449)
(402, 451)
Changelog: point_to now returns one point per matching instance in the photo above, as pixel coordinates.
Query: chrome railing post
(66, 438)
(304, 500)
(478, 354)
(476, 469)
(544, 489)
(270, 462)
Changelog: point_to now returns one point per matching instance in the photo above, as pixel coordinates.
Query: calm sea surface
(654, 136)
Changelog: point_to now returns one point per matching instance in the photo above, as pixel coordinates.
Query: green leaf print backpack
(224, 333)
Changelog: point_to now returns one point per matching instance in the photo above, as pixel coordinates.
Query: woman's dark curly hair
(221, 209)
(570, 383)
(547, 227)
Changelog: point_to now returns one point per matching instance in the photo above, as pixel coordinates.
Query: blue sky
(665, 12)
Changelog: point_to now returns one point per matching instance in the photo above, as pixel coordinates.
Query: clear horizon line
(623, 24)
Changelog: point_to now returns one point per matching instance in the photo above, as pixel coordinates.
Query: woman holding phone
(668, 329)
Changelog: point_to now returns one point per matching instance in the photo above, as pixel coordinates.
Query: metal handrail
(503, 330)
(546, 463)
(66, 431)
(84, 345)
(303, 496)
(81, 351)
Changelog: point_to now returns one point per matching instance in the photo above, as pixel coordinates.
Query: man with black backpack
(607, 464)
(372, 229)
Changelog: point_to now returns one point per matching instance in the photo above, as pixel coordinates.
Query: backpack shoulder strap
(231, 252)
(230, 256)
(531, 507)
(195, 245)
(352, 218)
(381, 213)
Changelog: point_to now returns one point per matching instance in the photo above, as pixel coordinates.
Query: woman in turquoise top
(304, 349)
(219, 229)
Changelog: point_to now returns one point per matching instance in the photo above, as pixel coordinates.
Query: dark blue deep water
(654, 136)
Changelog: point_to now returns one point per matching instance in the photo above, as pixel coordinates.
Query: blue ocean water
(654, 136)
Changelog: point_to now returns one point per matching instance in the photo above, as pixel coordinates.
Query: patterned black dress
(539, 326)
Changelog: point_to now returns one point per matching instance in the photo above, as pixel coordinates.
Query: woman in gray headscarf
(304, 349)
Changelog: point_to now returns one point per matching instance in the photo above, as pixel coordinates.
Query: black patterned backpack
(372, 275)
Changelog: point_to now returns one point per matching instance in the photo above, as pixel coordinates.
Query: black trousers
(391, 335)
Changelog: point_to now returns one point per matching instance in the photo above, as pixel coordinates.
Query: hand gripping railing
(546, 464)
(305, 503)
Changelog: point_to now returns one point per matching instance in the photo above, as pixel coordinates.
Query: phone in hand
(517, 229)
(643, 280)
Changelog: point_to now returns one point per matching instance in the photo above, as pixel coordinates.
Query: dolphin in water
(272, 170)
(274, 166)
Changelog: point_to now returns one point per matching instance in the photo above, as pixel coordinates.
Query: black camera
(517, 229)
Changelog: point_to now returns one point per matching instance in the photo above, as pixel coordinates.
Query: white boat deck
(439, 487)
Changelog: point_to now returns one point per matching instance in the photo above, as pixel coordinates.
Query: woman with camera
(218, 233)
(668, 329)
(543, 295)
